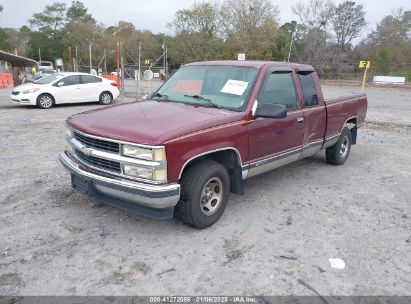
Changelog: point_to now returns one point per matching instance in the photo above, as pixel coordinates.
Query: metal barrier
(6, 80)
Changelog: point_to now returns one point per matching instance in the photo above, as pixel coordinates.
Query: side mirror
(268, 110)
(61, 83)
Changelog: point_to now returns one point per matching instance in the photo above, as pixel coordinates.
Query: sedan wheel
(45, 101)
(106, 98)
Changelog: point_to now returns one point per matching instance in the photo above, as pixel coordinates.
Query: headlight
(146, 173)
(155, 154)
(69, 132)
(30, 91)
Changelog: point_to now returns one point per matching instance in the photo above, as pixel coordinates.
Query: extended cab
(211, 126)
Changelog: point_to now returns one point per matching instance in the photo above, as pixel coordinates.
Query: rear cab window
(308, 88)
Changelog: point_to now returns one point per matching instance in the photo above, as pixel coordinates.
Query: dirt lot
(274, 240)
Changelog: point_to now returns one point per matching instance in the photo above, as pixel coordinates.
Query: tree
(51, 21)
(315, 14)
(393, 29)
(78, 12)
(4, 41)
(348, 20)
(196, 31)
(250, 26)
(314, 17)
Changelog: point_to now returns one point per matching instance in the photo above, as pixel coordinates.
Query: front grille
(99, 162)
(15, 92)
(99, 144)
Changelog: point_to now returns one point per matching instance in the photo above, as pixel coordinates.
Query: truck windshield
(48, 79)
(212, 86)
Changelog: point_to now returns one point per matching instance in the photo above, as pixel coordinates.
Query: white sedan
(65, 88)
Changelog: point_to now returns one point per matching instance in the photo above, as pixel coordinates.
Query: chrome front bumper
(155, 201)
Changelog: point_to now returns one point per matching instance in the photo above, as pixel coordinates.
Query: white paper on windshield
(235, 87)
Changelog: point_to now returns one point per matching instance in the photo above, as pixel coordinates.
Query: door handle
(300, 120)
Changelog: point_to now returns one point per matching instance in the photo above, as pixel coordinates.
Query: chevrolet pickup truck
(205, 131)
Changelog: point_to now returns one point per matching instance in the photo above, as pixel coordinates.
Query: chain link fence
(135, 85)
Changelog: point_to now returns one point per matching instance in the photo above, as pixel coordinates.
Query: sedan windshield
(212, 86)
(48, 79)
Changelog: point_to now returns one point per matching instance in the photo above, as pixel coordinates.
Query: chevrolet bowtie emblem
(86, 151)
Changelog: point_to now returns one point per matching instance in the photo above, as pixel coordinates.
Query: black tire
(105, 98)
(45, 101)
(338, 154)
(191, 208)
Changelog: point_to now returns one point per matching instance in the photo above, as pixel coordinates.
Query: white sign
(235, 87)
(59, 62)
(156, 75)
(241, 56)
(388, 80)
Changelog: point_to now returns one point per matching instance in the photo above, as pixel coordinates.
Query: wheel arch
(351, 124)
(46, 93)
(229, 157)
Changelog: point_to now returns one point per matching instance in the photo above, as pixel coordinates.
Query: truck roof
(255, 64)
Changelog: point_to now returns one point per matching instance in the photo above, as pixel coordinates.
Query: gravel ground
(274, 240)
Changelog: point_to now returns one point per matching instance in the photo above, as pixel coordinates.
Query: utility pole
(76, 60)
(291, 45)
(118, 65)
(105, 63)
(122, 75)
(139, 66)
(39, 55)
(70, 60)
(89, 51)
(166, 62)
(164, 57)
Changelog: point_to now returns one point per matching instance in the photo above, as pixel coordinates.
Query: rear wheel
(338, 154)
(106, 98)
(45, 101)
(205, 188)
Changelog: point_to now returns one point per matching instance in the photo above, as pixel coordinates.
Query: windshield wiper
(209, 101)
(162, 97)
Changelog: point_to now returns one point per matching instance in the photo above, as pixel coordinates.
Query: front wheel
(106, 98)
(205, 188)
(338, 154)
(45, 101)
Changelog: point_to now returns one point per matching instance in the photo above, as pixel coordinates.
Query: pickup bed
(211, 126)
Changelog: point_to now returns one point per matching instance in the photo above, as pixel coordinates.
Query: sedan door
(68, 90)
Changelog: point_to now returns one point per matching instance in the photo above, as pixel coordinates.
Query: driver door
(274, 142)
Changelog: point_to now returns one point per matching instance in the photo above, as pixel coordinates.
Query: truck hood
(150, 122)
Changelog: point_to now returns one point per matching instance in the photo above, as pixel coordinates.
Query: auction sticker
(235, 87)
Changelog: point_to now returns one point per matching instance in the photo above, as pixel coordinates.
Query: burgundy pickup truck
(211, 126)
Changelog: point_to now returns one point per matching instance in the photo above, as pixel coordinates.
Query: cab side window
(278, 88)
(308, 88)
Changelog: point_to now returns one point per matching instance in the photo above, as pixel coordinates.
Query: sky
(154, 15)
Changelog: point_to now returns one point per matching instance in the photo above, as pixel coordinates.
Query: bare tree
(348, 20)
(249, 26)
(196, 31)
(315, 13)
(314, 17)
